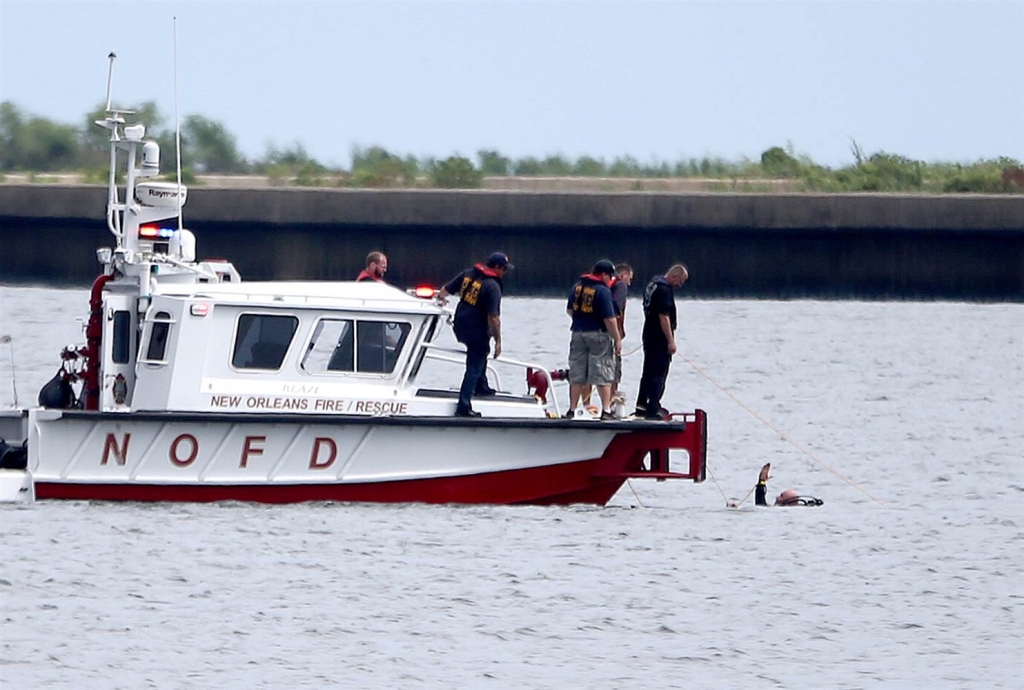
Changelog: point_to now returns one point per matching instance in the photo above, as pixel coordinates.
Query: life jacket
(471, 320)
(472, 282)
(620, 309)
(583, 294)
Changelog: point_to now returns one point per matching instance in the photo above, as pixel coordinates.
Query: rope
(712, 475)
(737, 504)
(780, 432)
(635, 494)
(633, 351)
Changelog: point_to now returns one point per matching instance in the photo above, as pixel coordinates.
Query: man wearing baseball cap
(477, 320)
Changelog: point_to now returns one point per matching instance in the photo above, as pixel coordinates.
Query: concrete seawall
(757, 245)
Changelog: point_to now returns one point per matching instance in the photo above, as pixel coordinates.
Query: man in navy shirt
(595, 339)
(620, 291)
(477, 320)
(658, 339)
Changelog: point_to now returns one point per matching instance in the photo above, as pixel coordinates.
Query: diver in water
(787, 498)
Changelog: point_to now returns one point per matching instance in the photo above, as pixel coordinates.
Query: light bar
(424, 291)
(150, 232)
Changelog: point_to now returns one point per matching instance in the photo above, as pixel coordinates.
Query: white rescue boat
(195, 385)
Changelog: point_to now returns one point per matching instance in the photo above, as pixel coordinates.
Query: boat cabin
(303, 347)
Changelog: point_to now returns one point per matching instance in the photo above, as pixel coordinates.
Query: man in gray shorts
(595, 340)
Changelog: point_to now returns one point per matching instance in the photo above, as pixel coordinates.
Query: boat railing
(269, 298)
(9, 350)
(457, 356)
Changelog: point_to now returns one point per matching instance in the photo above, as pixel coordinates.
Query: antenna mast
(110, 78)
(177, 119)
(111, 121)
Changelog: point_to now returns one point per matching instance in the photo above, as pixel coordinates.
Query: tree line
(38, 145)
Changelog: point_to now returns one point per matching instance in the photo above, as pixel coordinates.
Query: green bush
(493, 163)
(893, 173)
(624, 166)
(655, 169)
(310, 174)
(556, 166)
(455, 172)
(372, 178)
(377, 167)
(35, 143)
(589, 167)
(775, 163)
(527, 167)
(975, 180)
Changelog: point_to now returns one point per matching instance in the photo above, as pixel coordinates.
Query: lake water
(910, 576)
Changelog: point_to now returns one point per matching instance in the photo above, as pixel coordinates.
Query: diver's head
(787, 498)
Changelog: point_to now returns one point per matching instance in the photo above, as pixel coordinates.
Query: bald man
(659, 339)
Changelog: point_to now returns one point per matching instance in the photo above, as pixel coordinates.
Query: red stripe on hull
(554, 485)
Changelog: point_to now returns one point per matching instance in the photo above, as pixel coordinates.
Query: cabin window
(380, 343)
(431, 328)
(262, 340)
(120, 344)
(367, 347)
(158, 337)
(331, 348)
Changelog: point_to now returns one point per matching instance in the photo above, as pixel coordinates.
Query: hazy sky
(658, 81)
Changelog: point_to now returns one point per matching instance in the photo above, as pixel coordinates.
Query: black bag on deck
(13, 457)
(57, 393)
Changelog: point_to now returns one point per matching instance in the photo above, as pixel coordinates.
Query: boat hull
(293, 458)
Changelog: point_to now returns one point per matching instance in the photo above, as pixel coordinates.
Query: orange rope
(744, 500)
(728, 503)
(635, 494)
(780, 432)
